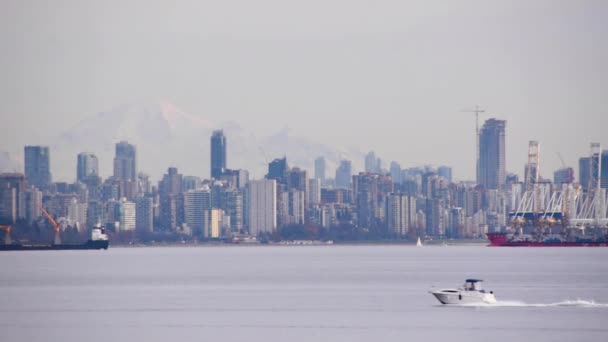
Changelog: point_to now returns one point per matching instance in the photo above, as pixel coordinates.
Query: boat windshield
(472, 286)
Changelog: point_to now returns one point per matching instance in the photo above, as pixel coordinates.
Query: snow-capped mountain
(167, 136)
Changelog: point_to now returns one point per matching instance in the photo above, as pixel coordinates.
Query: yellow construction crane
(55, 225)
(7, 234)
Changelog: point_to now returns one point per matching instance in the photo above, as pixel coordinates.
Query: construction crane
(477, 110)
(55, 225)
(7, 234)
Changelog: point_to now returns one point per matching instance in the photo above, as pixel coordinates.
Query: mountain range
(167, 136)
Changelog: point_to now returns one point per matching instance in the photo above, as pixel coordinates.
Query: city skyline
(128, 160)
(399, 79)
(276, 170)
(396, 203)
(551, 158)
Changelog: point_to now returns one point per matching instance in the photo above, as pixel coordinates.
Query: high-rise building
(59, 204)
(125, 162)
(563, 175)
(234, 209)
(320, 168)
(456, 223)
(144, 185)
(128, 216)
(13, 183)
(370, 192)
(171, 200)
(395, 170)
(372, 163)
(218, 154)
(87, 166)
(8, 204)
(343, 174)
(314, 191)
(583, 172)
(38, 166)
(30, 201)
(77, 214)
(292, 210)
(277, 170)
(197, 207)
(96, 213)
(191, 183)
(262, 206)
(492, 154)
(436, 218)
(236, 178)
(445, 172)
(144, 214)
(216, 216)
(401, 214)
(297, 179)
(604, 170)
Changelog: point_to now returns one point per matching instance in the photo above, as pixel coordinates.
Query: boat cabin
(472, 285)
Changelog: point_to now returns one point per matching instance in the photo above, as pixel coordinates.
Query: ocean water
(302, 293)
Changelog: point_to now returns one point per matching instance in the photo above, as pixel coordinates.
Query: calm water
(297, 293)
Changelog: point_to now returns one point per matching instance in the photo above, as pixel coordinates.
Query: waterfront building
(401, 212)
(262, 206)
(197, 205)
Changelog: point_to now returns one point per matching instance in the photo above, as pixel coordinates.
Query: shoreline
(438, 243)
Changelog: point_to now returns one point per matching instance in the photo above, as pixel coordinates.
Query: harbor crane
(56, 225)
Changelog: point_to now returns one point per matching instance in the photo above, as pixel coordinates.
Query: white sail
(419, 243)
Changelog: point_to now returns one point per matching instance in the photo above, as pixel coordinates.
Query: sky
(389, 76)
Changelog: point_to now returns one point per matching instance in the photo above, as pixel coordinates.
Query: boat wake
(566, 303)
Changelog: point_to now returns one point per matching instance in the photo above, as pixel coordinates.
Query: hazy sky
(388, 76)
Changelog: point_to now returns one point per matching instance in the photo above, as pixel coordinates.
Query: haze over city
(346, 76)
(276, 170)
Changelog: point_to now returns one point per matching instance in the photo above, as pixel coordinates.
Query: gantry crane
(7, 234)
(55, 225)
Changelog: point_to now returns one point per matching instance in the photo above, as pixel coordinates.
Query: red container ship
(504, 239)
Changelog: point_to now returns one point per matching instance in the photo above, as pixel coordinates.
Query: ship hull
(500, 240)
(101, 244)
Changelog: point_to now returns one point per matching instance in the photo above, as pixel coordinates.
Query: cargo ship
(99, 240)
(504, 239)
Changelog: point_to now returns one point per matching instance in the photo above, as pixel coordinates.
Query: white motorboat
(470, 292)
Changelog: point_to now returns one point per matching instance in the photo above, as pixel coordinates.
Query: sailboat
(419, 243)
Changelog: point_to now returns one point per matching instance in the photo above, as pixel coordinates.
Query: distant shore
(440, 243)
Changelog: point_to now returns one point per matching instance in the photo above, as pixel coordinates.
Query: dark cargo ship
(98, 240)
